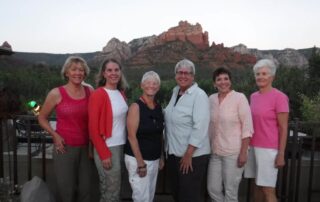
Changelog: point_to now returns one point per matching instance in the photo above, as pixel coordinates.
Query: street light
(34, 107)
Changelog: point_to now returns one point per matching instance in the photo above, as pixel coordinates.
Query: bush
(310, 108)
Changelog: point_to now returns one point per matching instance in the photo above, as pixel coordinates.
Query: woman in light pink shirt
(230, 131)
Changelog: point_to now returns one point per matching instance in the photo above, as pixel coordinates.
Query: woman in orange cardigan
(107, 121)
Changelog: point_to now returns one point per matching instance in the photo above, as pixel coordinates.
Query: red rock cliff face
(116, 49)
(182, 41)
(186, 32)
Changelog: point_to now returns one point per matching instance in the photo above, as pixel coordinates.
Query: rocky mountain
(115, 48)
(287, 57)
(187, 33)
(182, 41)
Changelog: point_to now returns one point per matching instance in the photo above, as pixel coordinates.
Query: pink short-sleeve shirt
(264, 109)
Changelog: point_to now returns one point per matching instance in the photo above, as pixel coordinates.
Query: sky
(78, 26)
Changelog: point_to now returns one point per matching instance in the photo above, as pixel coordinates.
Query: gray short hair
(185, 63)
(74, 59)
(151, 75)
(265, 63)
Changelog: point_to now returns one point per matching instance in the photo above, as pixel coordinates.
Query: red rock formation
(116, 49)
(186, 32)
(218, 55)
(170, 52)
(182, 41)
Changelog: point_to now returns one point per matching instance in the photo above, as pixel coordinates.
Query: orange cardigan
(100, 121)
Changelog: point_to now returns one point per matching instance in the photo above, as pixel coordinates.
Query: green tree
(293, 82)
(310, 108)
(314, 73)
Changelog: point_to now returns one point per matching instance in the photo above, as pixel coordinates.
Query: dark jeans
(189, 187)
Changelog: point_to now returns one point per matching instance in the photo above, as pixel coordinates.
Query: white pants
(224, 173)
(143, 188)
(261, 166)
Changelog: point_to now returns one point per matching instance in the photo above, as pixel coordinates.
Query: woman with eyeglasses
(186, 121)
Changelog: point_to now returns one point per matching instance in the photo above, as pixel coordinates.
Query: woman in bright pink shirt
(72, 166)
(270, 111)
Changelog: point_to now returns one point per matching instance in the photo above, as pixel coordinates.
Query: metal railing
(27, 131)
(303, 139)
(303, 143)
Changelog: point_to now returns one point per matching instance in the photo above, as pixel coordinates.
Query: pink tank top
(72, 118)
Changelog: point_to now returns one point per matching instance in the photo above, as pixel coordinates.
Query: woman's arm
(246, 129)
(199, 130)
(132, 127)
(243, 156)
(53, 98)
(282, 119)
(161, 162)
(96, 109)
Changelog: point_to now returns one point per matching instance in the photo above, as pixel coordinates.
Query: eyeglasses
(180, 73)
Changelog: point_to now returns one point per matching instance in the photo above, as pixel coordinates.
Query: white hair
(265, 63)
(151, 75)
(185, 63)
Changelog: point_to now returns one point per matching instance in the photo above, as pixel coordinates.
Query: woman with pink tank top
(71, 162)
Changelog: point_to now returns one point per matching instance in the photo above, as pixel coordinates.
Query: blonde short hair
(74, 59)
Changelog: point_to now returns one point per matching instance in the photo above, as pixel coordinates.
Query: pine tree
(313, 88)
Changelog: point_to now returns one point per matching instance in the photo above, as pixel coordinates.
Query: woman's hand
(242, 159)
(161, 163)
(280, 162)
(186, 160)
(186, 164)
(58, 143)
(107, 163)
(142, 170)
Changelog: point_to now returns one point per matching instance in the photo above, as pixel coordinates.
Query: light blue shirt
(187, 122)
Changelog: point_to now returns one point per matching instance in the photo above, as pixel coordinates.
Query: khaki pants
(110, 180)
(224, 174)
(74, 174)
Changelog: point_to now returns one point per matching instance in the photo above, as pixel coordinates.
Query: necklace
(151, 106)
(148, 104)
